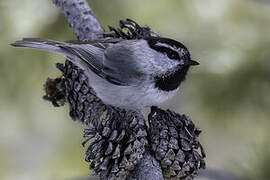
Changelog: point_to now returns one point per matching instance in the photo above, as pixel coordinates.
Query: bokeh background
(227, 96)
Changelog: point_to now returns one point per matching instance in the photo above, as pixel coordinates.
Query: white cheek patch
(182, 52)
(167, 46)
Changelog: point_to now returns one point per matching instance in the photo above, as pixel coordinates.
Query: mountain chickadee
(130, 74)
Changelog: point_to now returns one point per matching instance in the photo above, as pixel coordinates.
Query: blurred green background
(227, 96)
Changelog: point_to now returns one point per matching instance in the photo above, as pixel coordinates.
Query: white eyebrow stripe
(167, 46)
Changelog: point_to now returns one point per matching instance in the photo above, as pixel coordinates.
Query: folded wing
(93, 55)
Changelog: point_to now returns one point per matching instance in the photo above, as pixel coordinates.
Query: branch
(81, 18)
(148, 169)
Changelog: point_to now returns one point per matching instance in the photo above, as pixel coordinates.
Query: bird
(129, 74)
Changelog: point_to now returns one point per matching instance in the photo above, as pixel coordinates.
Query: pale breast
(129, 97)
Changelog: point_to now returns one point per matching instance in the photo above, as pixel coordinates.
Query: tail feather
(62, 48)
(37, 43)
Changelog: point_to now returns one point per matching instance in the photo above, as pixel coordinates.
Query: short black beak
(192, 63)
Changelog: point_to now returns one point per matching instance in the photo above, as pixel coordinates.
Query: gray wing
(108, 63)
(120, 63)
(93, 57)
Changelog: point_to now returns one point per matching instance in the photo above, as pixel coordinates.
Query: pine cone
(119, 143)
(55, 91)
(174, 140)
(129, 29)
(73, 88)
(84, 105)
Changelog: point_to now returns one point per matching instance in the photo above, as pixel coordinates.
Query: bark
(81, 18)
(148, 169)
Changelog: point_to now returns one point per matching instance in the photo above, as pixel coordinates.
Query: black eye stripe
(167, 46)
(169, 52)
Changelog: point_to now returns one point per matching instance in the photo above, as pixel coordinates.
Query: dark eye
(172, 54)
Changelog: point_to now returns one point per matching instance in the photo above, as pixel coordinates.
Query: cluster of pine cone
(119, 139)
